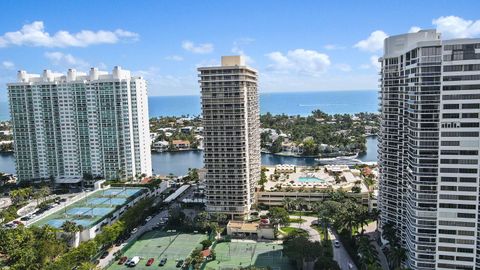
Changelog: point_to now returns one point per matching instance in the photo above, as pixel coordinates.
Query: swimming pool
(310, 180)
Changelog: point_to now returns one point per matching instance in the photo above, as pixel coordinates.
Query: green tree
(277, 145)
(287, 203)
(310, 148)
(396, 255)
(299, 249)
(279, 216)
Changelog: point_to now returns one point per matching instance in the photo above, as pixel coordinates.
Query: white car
(134, 261)
(134, 231)
(148, 218)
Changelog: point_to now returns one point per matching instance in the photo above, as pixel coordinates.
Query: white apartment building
(75, 126)
(231, 124)
(429, 148)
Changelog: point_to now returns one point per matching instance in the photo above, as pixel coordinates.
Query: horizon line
(277, 92)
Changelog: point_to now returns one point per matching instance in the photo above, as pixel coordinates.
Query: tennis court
(234, 255)
(159, 245)
(106, 201)
(92, 208)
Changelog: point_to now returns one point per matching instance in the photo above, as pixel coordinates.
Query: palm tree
(366, 252)
(389, 233)
(362, 218)
(70, 228)
(375, 214)
(396, 255)
(301, 203)
(348, 216)
(287, 203)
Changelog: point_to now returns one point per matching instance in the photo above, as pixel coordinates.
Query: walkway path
(306, 225)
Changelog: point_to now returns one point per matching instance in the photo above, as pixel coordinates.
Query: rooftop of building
(73, 76)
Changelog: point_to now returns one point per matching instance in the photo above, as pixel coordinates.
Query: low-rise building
(160, 146)
(181, 144)
(284, 168)
(276, 198)
(252, 230)
(186, 130)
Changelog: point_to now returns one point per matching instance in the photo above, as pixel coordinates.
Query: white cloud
(177, 58)
(373, 43)
(414, 29)
(303, 61)
(66, 60)
(331, 47)
(456, 27)
(200, 48)
(374, 62)
(34, 34)
(8, 65)
(343, 67)
(167, 84)
(238, 48)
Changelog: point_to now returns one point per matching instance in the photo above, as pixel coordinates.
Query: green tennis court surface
(160, 244)
(234, 255)
(92, 208)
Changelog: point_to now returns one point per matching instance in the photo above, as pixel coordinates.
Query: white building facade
(75, 126)
(231, 122)
(429, 148)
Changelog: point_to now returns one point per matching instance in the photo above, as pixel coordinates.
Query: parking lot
(160, 244)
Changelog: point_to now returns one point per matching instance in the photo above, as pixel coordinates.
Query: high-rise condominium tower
(80, 125)
(429, 148)
(231, 135)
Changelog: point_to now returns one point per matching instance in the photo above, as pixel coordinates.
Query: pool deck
(319, 178)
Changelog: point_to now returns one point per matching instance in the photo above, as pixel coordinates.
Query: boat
(341, 160)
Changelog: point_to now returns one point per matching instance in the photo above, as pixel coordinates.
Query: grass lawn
(296, 220)
(289, 230)
(321, 232)
(159, 245)
(233, 255)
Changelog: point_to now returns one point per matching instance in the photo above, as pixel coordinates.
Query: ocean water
(292, 103)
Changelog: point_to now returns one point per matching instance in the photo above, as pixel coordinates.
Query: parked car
(134, 261)
(179, 263)
(336, 244)
(122, 260)
(148, 218)
(162, 262)
(150, 261)
(104, 255)
(134, 231)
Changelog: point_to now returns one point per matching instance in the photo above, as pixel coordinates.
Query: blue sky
(296, 45)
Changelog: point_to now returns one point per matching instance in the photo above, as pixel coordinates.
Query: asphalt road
(340, 254)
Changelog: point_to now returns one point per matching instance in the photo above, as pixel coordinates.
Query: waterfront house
(181, 144)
